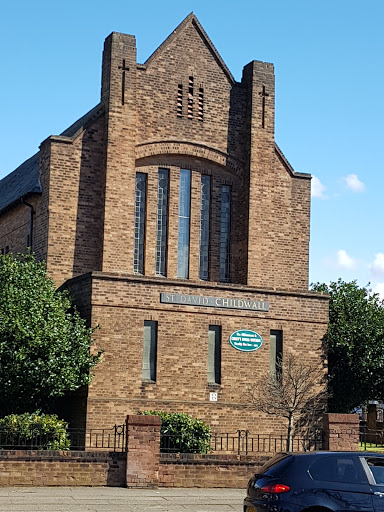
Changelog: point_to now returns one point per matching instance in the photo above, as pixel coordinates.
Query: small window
(276, 353)
(149, 350)
(6, 249)
(377, 469)
(335, 469)
(275, 461)
(214, 354)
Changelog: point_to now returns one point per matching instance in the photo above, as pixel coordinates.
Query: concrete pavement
(116, 499)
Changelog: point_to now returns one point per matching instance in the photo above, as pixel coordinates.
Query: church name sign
(214, 302)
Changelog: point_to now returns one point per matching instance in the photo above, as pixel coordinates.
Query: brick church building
(181, 230)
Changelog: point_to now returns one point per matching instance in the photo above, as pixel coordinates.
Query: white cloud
(377, 266)
(317, 188)
(379, 288)
(353, 183)
(345, 261)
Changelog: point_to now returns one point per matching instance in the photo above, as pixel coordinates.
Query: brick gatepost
(143, 450)
(341, 432)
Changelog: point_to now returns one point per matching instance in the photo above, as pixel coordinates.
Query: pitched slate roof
(25, 179)
(22, 181)
(77, 125)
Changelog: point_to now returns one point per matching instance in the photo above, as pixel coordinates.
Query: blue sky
(328, 58)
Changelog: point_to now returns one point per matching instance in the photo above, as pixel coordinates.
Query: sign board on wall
(214, 302)
(245, 340)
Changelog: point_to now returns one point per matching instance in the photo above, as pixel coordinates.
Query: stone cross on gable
(264, 95)
(124, 69)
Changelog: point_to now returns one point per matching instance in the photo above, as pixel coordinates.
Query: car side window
(376, 467)
(335, 469)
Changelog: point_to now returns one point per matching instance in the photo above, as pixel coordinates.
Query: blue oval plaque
(245, 340)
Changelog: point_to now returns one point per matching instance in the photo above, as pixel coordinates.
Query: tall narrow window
(184, 221)
(225, 232)
(276, 352)
(190, 97)
(149, 350)
(204, 226)
(139, 231)
(214, 354)
(162, 221)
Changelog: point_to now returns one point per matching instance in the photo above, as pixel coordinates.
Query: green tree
(354, 343)
(44, 343)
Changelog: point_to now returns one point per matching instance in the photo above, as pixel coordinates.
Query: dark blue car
(318, 482)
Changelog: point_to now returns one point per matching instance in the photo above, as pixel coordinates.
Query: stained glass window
(225, 232)
(184, 221)
(204, 226)
(139, 228)
(162, 221)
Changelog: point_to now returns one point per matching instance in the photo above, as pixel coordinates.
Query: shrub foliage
(181, 433)
(37, 431)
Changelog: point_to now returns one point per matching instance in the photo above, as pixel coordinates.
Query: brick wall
(143, 445)
(42, 468)
(88, 179)
(120, 304)
(341, 432)
(209, 471)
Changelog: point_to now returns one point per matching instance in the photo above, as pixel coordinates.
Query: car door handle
(381, 494)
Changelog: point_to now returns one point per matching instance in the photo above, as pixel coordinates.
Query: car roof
(332, 453)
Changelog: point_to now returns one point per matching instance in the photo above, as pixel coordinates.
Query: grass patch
(370, 447)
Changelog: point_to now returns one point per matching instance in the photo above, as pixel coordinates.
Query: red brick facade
(84, 228)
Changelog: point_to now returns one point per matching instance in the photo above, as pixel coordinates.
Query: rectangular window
(214, 354)
(139, 231)
(184, 221)
(276, 352)
(225, 232)
(204, 226)
(162, 221)
(149, 350)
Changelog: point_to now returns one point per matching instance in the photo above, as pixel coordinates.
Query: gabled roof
(77, 125)
(191, 19)
(25, 179)
(22, 181)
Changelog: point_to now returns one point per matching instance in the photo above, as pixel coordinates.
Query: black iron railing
(242, 442)
(371, 438)
(113, 439)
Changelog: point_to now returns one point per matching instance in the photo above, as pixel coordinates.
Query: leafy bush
(35, 431)
(181, 433)
(44, 343)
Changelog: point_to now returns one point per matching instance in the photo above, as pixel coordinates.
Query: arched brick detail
(192, 149)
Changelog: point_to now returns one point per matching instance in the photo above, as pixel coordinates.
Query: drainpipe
(32, 210)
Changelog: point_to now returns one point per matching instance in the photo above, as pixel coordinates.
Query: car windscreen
(277, 465)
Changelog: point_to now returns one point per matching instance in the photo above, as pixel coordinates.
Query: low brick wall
(45, 468)
(341, 432)
(195, 470)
